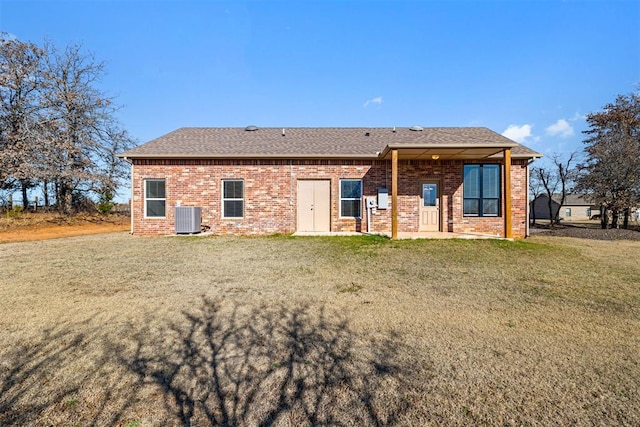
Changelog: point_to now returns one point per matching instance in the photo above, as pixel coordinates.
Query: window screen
(155, 198)
(350, 197)
(233, 198)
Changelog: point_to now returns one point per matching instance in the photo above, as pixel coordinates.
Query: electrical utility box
(188, 219)
(383, 198)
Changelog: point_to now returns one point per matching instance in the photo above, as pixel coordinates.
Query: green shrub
(15, 212)
(105, 204)
(105, 207)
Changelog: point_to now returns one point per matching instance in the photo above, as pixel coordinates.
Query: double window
(155, 198)
(481, 190)
(232, 198)
(350, 198)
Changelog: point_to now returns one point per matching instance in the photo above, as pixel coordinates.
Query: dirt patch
(591, 233)
(43, 226)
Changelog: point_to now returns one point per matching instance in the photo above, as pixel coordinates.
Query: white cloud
(520, 134)
(377, 101)
(561, 128)
(577, 116)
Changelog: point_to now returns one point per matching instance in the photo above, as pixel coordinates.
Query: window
(567, 212)
(154, 198)
(481, 190)
(232, 198)
(589, 213)
(350, 198)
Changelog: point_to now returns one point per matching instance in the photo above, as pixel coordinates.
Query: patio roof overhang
(398, 152)
(444, 152)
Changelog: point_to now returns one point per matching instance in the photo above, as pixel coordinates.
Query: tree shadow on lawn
(44, 381)
(218, 364)
(272, 365)
(26, 368)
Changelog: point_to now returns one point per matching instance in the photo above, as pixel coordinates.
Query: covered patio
(450, 151)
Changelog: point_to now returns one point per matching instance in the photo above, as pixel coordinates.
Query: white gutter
(130, 196)
(526, 229)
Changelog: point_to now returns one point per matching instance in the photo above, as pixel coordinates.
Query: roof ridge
(352, 142)
(334, 127)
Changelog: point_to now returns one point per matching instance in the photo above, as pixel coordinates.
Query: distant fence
(121, 208)
(31, 205)
(36, 205)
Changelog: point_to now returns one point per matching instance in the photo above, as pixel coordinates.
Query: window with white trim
(155, 199)
(232, 198)
(350, 198)
(481, 190)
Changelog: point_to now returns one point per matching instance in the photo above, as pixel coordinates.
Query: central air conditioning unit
(188, 219)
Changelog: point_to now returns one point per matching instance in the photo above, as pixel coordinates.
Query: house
(251, 181)
(575, 208)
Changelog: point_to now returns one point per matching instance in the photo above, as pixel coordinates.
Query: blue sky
(529, 69)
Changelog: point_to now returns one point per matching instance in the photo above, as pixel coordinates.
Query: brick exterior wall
(270, 201)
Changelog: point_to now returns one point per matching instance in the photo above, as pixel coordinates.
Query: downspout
(368, 212)
(131, 196)
(526, 227)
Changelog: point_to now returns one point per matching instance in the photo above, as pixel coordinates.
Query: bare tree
(20, 113)
(83, 131)
(535, 191)
(566, 171)
(556, 179)
(612, 170)
(546, 178)
(57, 129)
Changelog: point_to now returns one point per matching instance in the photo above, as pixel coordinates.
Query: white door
(314, 205)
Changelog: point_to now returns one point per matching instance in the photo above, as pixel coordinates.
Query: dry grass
(120, 330)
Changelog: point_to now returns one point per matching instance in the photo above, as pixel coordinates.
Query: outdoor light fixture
(435, 156)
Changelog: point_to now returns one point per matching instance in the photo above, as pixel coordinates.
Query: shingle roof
(569, 200)
(573, 199)
(313, 142)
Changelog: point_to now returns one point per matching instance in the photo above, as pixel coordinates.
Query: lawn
(118, 330)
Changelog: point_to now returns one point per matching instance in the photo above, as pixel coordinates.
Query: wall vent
(188, 219)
